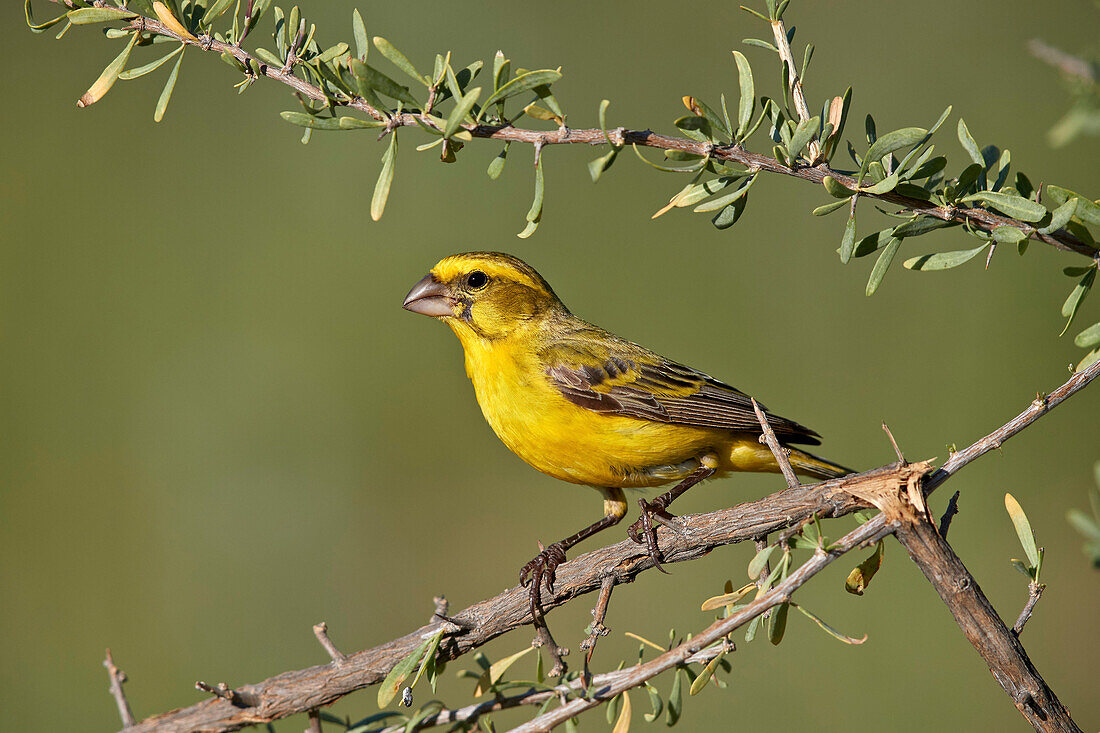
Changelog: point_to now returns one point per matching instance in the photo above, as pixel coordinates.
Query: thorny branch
(117, 678)
(998, 646)
(1034, 593)
(780, 454)
(859, 537)
(302, 690)
(976, 218)
(472, 712)
(794, 82)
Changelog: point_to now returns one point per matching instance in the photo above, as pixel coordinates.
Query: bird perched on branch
(585, 406)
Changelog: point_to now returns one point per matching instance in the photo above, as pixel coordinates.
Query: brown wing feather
(614, 376)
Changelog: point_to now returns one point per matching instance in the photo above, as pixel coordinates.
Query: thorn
(901, 458)
(117, 678)
(321, 632)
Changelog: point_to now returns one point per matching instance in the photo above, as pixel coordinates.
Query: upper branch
(977, 218)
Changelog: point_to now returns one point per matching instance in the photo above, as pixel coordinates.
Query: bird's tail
(810, 465)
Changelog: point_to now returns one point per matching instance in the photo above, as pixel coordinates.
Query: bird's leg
(643, 531)
(544, 565)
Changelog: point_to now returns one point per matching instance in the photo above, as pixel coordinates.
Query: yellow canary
(585, 406)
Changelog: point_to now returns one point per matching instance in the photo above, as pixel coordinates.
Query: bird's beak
(429, 297)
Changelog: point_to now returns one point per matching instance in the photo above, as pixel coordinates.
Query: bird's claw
(644, 533)
(543, 566)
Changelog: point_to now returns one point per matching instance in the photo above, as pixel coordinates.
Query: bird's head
(488, 295)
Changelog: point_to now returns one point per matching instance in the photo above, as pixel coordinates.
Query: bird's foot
(542, 567)
(644, 532)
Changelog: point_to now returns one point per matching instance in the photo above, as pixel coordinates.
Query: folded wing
(603, 373)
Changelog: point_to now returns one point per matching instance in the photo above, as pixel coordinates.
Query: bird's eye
(477, 279)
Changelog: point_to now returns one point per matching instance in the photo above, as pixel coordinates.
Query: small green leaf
(1023, 529)
(716, 122)
(759, 44)
(1015, 206)
(887, 184)
(1089, 337)
(803, 133)
(382, 187)
(753, 627)
(695, 127)
(920, 225)
(1008, 235)
(704, 677)
(496, 165)
(872, 243)
(829, 208)
(967, 178)
(107, 79)
(756, 566)
(492, 675)
(152, 66)
(215, 11)
(723, 201)
(600, 164)
(889, 143)
(501, 69)
(748, 95)
(534, 214)
(301, 119)
(332, 52)
(728, 216)
(1022, 568)
(836, 188)
(1087, 211)
(675, 705)
(882, 264)
(428, 663)
(1091, 358)
(831, 631)
(399, 59)
(1077, 296)
(777, 624)
(848, 241)
(84, 16)
(655, 702)
(388, 690)
(522, 83)
(928, 168)
(370, 79)
(461, 109)
(943, 260)
(1060, 216)
(971, 147)
(359, 31)
(268, 58)
(166, 93)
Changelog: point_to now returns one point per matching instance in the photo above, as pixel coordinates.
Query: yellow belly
(578, 445)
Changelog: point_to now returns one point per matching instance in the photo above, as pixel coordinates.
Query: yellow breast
(569, 442)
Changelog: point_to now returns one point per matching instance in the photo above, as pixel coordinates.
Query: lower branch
(864, 534)
(985, 630)
(533, 696)
(301, 690)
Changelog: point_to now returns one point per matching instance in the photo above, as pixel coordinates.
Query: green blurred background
(219, 427)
